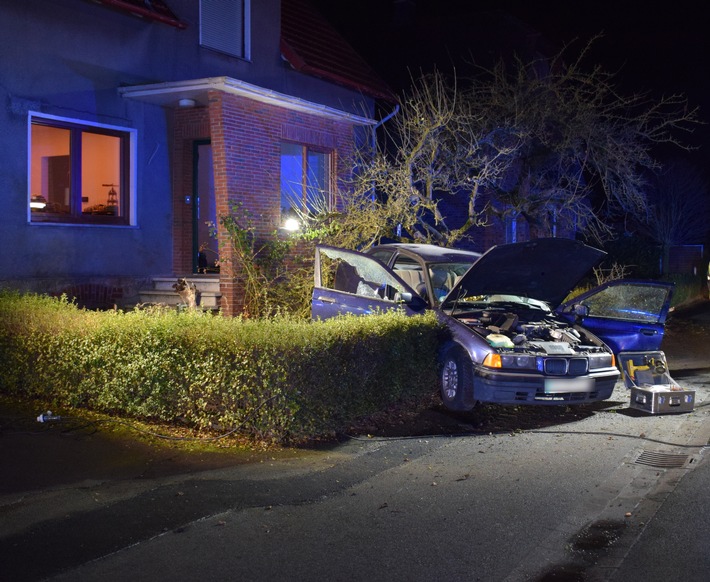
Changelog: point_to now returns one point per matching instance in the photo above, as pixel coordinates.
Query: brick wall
(246, 138)
(93, 295)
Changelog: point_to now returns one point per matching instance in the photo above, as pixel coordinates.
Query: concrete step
(151, 296)
(163, 292)
(204, 283)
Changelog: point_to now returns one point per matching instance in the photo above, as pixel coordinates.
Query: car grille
(565, 366)
(577, 366)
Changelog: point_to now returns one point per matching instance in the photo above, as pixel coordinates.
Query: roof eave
(145, 12)
(169, 94)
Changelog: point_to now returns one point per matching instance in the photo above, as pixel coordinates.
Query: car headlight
(597, 361)
(510, 361)
(519, 361)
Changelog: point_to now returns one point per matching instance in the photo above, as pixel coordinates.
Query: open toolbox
(652, 388)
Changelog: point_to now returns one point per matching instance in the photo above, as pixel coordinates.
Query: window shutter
(222, 26)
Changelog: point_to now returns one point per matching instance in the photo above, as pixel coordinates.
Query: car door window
(626, 315)
(354, 273)
(411, 272)
(382, 255)
(628, 302)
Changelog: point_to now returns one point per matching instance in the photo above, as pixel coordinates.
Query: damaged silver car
(513, 338)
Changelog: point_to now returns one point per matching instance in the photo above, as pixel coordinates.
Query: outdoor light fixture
(187, 103)
(291, 224)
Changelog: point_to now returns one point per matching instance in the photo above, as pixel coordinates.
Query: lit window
(305, 180)
(224, 26)
(79, 173)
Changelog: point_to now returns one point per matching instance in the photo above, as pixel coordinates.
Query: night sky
(661, 50)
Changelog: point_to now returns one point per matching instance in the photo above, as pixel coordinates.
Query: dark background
(661, 50)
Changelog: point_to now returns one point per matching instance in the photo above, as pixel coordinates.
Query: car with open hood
(514, 339)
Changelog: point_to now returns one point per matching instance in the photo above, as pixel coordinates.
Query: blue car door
(628, 315)
(350, 282)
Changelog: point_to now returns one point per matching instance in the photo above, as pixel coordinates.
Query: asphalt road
(602, 493)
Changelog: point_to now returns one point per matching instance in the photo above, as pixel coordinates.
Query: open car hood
(543, 269)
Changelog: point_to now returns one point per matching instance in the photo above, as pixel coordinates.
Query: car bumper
(504, 388)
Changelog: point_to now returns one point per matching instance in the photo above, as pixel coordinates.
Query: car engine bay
(525, 329)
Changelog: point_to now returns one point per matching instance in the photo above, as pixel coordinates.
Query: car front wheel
(454, 376)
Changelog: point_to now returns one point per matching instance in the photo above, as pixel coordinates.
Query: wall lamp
(291, 225)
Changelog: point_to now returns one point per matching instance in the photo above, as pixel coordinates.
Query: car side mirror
(580, 310)
(403, 297)
(414, 301)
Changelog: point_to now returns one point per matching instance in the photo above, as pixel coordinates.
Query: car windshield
(444, 276)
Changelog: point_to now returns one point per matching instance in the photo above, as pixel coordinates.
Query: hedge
(278, 379)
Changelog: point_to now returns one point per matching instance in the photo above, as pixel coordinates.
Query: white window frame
(129, 191)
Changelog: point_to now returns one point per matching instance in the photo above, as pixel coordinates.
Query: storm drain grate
(662, 460)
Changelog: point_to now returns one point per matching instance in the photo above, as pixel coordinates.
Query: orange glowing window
(78, 173)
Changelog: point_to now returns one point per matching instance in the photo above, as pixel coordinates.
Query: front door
(205, 250)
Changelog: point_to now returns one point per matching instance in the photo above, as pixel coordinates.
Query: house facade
(129, 127)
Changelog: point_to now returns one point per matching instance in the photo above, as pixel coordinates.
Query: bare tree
(547, 141)
(431, 150)
(583, 147)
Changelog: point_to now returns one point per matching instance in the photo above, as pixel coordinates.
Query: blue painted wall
(68, 58)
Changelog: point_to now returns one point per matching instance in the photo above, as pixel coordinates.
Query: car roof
(430, 253)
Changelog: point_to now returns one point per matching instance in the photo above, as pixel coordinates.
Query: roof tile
(312, 46)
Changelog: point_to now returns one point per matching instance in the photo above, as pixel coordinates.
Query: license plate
(556, 385)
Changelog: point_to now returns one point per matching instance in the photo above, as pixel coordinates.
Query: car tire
(455, 376)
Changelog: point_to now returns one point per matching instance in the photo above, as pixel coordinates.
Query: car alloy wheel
(450, 380)
(454, 375)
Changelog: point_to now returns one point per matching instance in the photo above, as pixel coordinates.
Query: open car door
(350, 282)
(628, 315)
